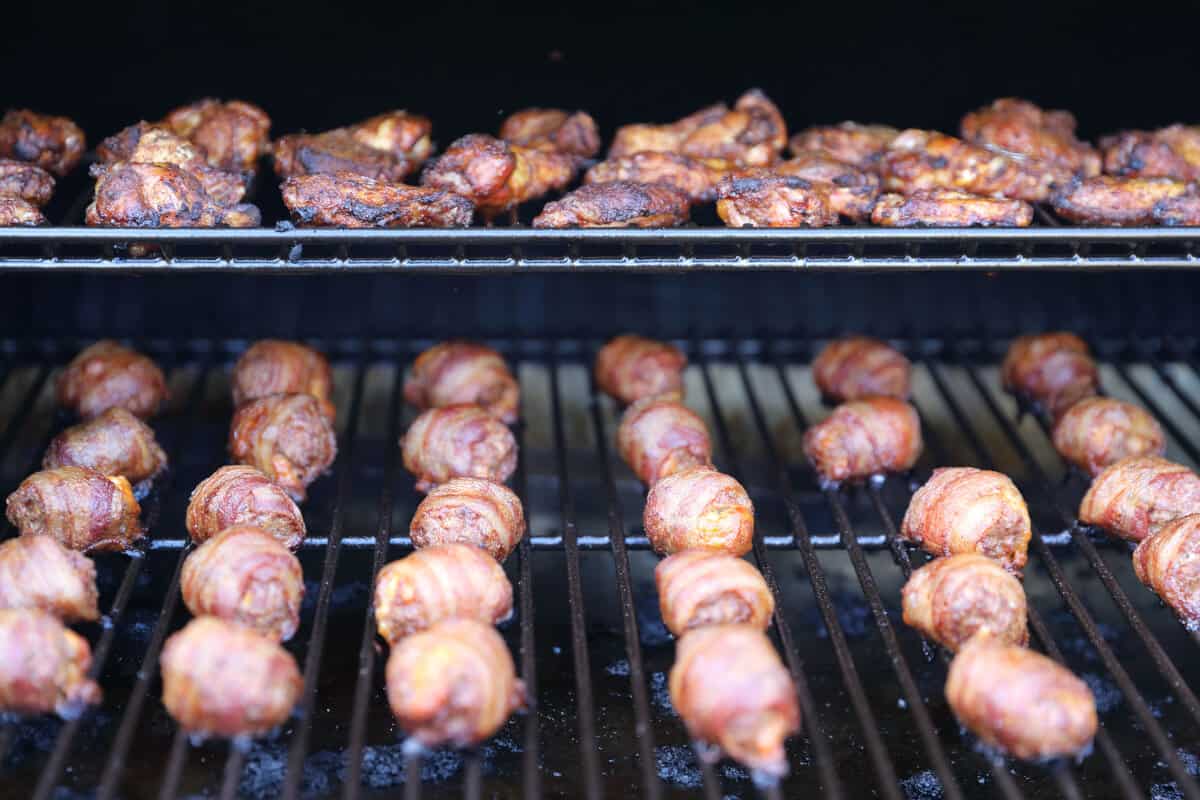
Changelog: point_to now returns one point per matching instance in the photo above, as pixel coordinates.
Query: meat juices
(472, 511)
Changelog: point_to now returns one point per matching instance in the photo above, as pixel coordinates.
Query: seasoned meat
(1099, 431)
(864, 437)
(1020, 701)
(659, 436)
(25, 181)
(967, 510)
(144, 143)
(453, 683)
(245, 575)
(498, 176)
(732, 691)
(631, 367)
(114, 443)
(460, 441)
(80, 508)
(1168, 561)
(474, 511)
(276, 366)
(849, 142)
(36, 572)
(346, 200)
(619, 204)
(1018, 126)
(1172, 152)
(131, 195)
(234, 134)
(699, 509)
(456, 372)
(445, 581)
(552, 129)
(221, 679)
(105, 375)
(697, 179)
(753, 134)
(762, 199)
(240, 495)
(1051, 370)
(855, 367)
(43, 666)
(1135, 496)
(669, 138)
(53, 143)
(697, 588)
(387, 147)
(852, 191)
(286, 436)
(14, 211)
(1118, 201)
(950, 209)
(1178, 211)
(951, 599)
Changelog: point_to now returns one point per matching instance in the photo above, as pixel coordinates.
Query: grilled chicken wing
(1051, 370)
(763, 199)
(858, 366)
(951, 599)
(81, 508)
(852, 191)
(1172, 152)
(631, 367)
(753, 134)
(699, 509)
(620, 204)
(15, 211)
(455, 372)
(241, 495)
(43, 665)
(1168, 561)
(1136, 496)
(38, 572)
(669, 138)
(461, 441)
(346, 200)
(28, 182)
(1106, 200)
(1098, 431)
(53, 143)
(659, 436)
(865, 437)
(1018, 126)
(287, 436)
(695, 178)
(498, 176)
(849, 142)
(160, 196)
(552, 129)
(697, 588)
(276, 366)
(950, 209)
(1183, 211)
(387, 147)
(144, 143)
(234, 134)
(474, 511)
(113, 443)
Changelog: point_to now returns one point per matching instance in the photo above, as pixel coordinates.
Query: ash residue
(676, 764)
(853, 614)
(660, 695)
(734, 772)
(1107, 695)
(350, 595)
(1191, 762)
(651, 630)
(922, 786)
(1165, 791)
(266, 766)
(619, 668)
(384, 766)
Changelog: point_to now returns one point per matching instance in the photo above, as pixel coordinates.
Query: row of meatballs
(193, 168)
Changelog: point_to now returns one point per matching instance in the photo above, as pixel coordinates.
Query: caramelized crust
(25, 181)
(80, 508)
(852, 191)
(696, 179)
(474, 511)
(618, 204)
(445, 581)
(849, 142)
(631, 367)
(968, 510)
(951, 599)
(36, 572)
(347, 200)
(865, 437)
(14, 211)
(697, 588)
(1020, 701)
(753, 134)
(459, 441)
(699, 509)
(732, 691)
(458, 372)
(763, 199)
(107, 375)
(1171, 152)
(387, 147)
(669, 138)
(43, 666)
(1051, 370)
(144, 143)
(950, 209)
(234, 134)
(245, 575)
(497, 176)
(114, 443)
(1099, 431)
(552, 129)
(130, 195)
(1135, 496)
(221, 679)
(53, 143)
(1106, 200)
(855, 367)
(1020, 127)
(1168, 561)
(286, 436)
(659, 436)
(239, 495)
(277, 366)
(453, 683)
(1178, 211)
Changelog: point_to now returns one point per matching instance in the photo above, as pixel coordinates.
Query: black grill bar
(531, 767)
(175, 761)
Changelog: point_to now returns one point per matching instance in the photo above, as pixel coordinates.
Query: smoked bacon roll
(79, 507)
(107, 374)
(240, 495)
(457, 372)
(459, 441)
(275, 366)
(697, 588)
(630, 368)
(1135, 496)
(473, 511)
(659, 436)
(114, 443)
(865, 437)
(287, 437)
(1168, 561)
(859, 366)
(699, 509)
(951, 599)
(1051, 370)
(1099, 431)
(43, 665)
(38, 572)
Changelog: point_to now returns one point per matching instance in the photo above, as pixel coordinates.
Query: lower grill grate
(870, 691)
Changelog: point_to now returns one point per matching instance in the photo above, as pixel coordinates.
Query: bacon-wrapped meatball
(859, 366)
(617, 204)
(43, 665)
(453, 683)
(287, 436)
(1171, 152)
(732, 691)
(240, 495)
(275, 366)
(107, 374)
(763, 199)
(1053, 370)
(1099, 431)
(1168, 561)
(460, 441)
(851, 191)
(864, 438)
(552, 129)
(660, 436)
(473, 511)
(81, 508)
(949, 208)
(221, 679)
(235, 134)
(701, 587)
(15, 211)
(968, 510)
(951, 599)
(1020, 701)
(446, 581)
(1136, 495)
(53, 143)
(632, 367)
(113, 443)
(695, 178)
(699, 509)
(848, 142)
(457, 372)
(28, 182)
(1107, 200)
(1018, 126)
(245, 575)
(38, 572)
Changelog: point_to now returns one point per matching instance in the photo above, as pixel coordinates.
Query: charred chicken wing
(1172, 152)
(669, 138)
(753, 134)
(144, 143)
(347, 200)
(552, 129)
(27, 182)
(766, 200)
(1107, 200)
(53, 143)
(498, 176)
(133, 195)
(14, 211)
(1018, 126)
(620, 204)
(387, 147)
(1180, 211)
(849, 142)
(949, 208)
(852, 191)
(474, 511)
(234, 134)
(695, 178)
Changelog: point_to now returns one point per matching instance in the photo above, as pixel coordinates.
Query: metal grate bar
(531, 767)
(175, 762)
(28, 401)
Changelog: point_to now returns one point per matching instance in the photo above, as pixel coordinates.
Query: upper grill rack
(866, 684)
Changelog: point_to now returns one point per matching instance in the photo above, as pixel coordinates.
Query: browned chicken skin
(460, 441)
(347, 200)
(699, 509)
(659, 436)
(1172, 152)
(81, 508)
(631, 367)
(865, 437)
(1106, 200)
(849, 142)
(852, 191)
(386, 147)
(498, 176)
(38, 572)
(697, 588)
(859, 366)
(53, 143)
(276, 366)
(113, 443)
(43, 666)
(951, 599)
(763, 199)
(552, 129)
(1051, 370)
(1099, 431)
(286, 436)
(474, 511)
(241, 495)
(160, 196)
(1018, 126)
(1168, 561)
(105, 375)
(669, 138)
(26, 181)
(695, 178)
(619, 204)
(234, 134)
(1135, 496)
(456, 372)
(144, 143)
(15, 211)
(951, 209)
